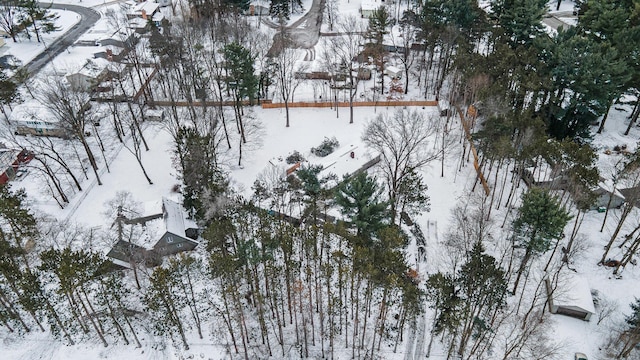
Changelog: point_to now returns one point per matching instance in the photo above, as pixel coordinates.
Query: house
(257, 9)
(571, 297)
(368, 7)
(31, 118)
(174, 239)
(148, 11)
(139, 25)
(119, 38)
(92, 73)
(167, 231)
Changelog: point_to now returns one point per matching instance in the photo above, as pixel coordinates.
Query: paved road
(88, 18)
(303, 33)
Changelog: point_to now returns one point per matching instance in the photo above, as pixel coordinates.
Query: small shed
(571, 297)
(154, 115)
(257, 10)
(368, 7)
(608, 196)
(393, 72)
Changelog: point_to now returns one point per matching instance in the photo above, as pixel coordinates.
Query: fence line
(312, 104)
(476, 164)
(267, 104)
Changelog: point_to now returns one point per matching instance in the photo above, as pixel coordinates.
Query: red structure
(10, 160)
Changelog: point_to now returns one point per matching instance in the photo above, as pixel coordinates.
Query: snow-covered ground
(27, 49)
(308, 128)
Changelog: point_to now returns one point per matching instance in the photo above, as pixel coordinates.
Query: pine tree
(359, 199)
(483, 288)
(40, 19)
(8, 92)
(162, 300)
(540, 222)
(630, 338)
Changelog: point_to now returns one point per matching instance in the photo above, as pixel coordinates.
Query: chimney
(109, 54)
(144, 14)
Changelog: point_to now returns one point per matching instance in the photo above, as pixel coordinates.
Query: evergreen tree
(240, 64)
(163, 301)
(279, 10)
(8, 92)
(40, 19)
(540, 222)
(359, 199)
(379, 22)
(520, 19)
(204, 182)
(483, 288)
(630, 338)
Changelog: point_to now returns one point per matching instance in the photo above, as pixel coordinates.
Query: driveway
(302, 34)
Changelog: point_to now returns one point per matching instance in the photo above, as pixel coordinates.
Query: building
(146, 10)
(31, 118)
(154, 114)
(10, 161)
(368, 7)
(571, 296)
(607, 196)
(174, 239)
(257, 8)
(92, 73)
(167, 231)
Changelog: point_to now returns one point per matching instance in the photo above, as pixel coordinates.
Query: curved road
(303, 33)
(88, 18)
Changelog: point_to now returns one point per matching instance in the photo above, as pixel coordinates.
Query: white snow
(309, 126)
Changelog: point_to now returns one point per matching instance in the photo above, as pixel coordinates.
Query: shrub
(326, 147)
(295, 157)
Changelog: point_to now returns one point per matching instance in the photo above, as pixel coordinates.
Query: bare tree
(73, 111)
(345, 50)
(404, 141)
(286, 67)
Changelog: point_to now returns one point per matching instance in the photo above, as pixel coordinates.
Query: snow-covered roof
(119, 35)
(173, 217)
(370, 5)
(137, 23)
(148, 7)
(392, 69)
(94, 68)
(607, 185)
(33, 112)
(573, 292)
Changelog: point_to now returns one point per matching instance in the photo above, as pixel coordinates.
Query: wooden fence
(326, 104)
(476, 163)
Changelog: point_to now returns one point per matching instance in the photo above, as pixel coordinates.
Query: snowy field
(308, 128)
